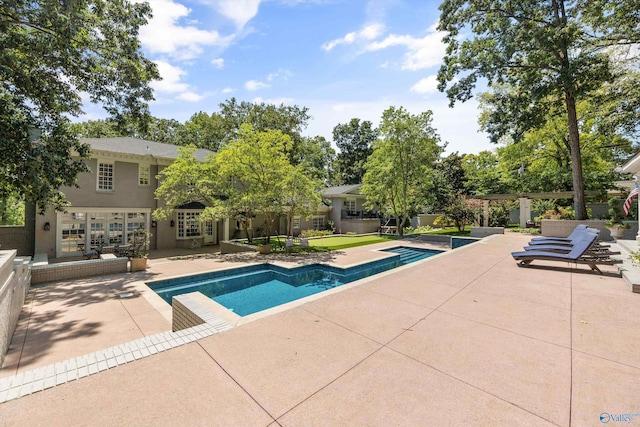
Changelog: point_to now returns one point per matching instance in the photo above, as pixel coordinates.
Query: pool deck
(464, 338)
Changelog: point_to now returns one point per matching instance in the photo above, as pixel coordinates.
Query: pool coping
(204, 303)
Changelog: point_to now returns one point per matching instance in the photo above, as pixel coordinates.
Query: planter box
(563, 227)
(138, 264)
(264, 249)
(486, 231)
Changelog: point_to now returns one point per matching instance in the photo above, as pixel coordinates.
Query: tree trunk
(399, 226)
(576, 158)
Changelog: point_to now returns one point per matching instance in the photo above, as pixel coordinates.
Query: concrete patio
(464, 338)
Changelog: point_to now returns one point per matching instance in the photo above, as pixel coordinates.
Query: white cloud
(165, 35)
(255, 85)
(190, 97)
(273, 101)
(282, 74)
(227, 90)
(171, 78)
(239, 11)
(218, 63)
(426, 85)
(422, 53)
(370, 32)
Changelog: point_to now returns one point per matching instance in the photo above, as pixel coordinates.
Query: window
(80, 231)
(350, 205)
(188, 224)
(105, 176)
(318, 223)
(295, 223)
(144, 175)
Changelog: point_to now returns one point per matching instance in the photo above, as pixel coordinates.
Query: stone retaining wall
(229, 247)
(75, 269)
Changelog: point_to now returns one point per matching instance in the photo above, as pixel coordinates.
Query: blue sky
(340, 58)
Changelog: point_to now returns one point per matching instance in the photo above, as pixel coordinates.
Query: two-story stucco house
(116, 197)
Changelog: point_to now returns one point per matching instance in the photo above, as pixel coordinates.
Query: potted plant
(139, 247)
(615, 224)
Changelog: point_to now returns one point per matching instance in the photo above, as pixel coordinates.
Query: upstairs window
(105, 176)
(144, 175)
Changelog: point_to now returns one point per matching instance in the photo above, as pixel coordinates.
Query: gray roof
(342, 189)
(141, 147)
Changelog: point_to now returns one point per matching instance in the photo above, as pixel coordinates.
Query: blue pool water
(247, 290)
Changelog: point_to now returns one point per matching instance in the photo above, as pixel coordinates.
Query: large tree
(547, 51)
(398, 172)
(354, 140)
(53, 51)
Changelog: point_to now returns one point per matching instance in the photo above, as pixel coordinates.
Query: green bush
(442, 221)
(315, 233)
(421, 229)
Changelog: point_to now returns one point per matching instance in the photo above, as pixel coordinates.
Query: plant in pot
(616, 224)
(139, 248)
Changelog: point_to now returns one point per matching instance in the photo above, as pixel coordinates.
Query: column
(485, 212)
(525, 211)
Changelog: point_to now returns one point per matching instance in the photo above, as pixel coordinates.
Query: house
(348, 213)
(116, 197)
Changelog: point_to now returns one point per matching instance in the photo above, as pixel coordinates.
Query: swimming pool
(248, 290)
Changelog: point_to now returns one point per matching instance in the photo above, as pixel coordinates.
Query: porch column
(525, 211)
(485, 212)
(225, 231)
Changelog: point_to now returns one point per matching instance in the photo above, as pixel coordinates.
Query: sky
(341, 59)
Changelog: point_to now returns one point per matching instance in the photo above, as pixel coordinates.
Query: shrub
(421, 229)
(442, 221)
(461, 212)
(315, 233)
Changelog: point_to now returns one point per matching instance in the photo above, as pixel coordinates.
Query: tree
(254, 167)
(11, 209)
(461, 212)
(53, 51)
(315, 154)
(203, 131)
(354, 139)
(301, 195)
(397, 177)
(449, 180)
(483, 174)
(185, 180)
(546, 51)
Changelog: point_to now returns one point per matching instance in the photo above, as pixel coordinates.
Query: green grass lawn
(343, 242)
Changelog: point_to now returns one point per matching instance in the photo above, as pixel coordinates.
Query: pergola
(525, 201)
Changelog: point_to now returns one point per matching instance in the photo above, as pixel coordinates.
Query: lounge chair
(577, 232)
(580, 253)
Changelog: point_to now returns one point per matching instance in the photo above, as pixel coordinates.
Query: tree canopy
(398, 172)
(52, 52)
(549, 55)
(247, 177)
(354, 139)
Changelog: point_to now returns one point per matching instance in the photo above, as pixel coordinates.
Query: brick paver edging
(39, 379)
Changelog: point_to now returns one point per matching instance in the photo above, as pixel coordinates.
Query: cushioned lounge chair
(581, 253)
(577, 232)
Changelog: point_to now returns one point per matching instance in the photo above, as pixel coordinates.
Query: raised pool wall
(15, 279)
